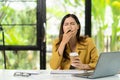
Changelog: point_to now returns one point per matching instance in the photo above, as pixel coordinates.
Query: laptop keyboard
(87, 74)
(83, 74)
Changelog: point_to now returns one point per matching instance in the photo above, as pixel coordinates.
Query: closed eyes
(72, 23)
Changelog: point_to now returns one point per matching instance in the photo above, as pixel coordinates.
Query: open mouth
(68, 31)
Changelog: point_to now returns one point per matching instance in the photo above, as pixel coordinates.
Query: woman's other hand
(75, 61)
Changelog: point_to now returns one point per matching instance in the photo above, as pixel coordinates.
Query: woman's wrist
(63, 43)
(61, 48)
(85, 67)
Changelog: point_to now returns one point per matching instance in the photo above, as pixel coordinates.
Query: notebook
(108, 65)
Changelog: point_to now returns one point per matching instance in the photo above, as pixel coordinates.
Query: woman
(70, 41)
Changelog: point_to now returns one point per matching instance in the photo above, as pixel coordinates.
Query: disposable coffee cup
(72, 54)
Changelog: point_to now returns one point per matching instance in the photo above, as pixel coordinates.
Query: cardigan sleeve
(93, 53)
(56, 59)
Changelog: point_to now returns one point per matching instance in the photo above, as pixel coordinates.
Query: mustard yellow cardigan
(87, 53)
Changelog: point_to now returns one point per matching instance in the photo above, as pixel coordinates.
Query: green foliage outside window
(18, 23)
(106, 24)
(18, 20)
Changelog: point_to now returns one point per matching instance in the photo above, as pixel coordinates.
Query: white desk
(45, 75)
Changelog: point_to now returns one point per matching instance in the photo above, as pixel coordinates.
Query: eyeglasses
(24, 74)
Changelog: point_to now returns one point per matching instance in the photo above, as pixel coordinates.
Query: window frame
(40, 44)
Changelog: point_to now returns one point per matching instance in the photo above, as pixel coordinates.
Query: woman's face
(70, 24)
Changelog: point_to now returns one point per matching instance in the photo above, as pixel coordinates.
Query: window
(18, 19)
(22, 23)
(106, 24)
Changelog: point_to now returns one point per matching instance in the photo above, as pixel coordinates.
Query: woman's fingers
(67, 36)
(68, 31)
(76, 62)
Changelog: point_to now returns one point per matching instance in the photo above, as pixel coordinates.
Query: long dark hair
(61, 32)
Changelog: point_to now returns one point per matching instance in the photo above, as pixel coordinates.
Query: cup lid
(73, 54)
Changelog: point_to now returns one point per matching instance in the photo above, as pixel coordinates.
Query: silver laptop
(107, 65)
